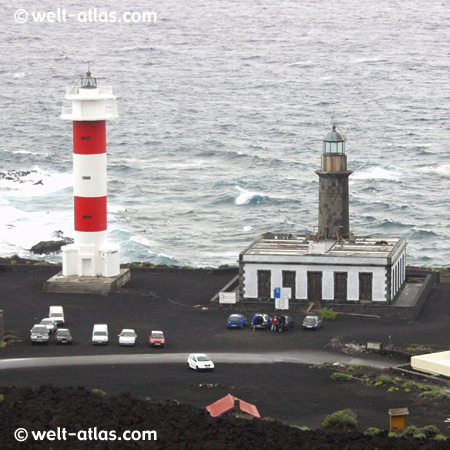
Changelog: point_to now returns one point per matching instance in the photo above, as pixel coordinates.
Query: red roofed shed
(233, 405)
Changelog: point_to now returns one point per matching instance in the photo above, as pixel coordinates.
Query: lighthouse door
(86, 267)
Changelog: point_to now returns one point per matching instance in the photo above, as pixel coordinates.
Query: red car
(157, 339)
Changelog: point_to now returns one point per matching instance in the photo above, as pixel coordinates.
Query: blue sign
(277, 292)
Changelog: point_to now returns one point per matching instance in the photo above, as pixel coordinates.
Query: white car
(100, 334)
(200, 361)
(127, 337)
(50, 324)
(56, 313)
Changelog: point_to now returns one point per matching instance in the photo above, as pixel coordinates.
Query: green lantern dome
(334, 142)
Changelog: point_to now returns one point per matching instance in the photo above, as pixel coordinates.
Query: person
(254, 322)
(274, 323)
(269, 322)
(281, 323)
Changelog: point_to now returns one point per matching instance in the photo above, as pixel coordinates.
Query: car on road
(200, 361)
(39, 333)
(100, 334)
(236, 321)
(262, 321)
(50, 324)
(312, 322)
(127, 337)
(156, 339)
(285, 323)
(63, 336)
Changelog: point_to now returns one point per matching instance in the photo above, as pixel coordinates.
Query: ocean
(222, 109)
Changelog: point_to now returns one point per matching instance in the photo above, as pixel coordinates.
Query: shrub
(410, 431)
(341, 376)
(3, 344)
(327, 314)
(2, 397)
(430, 431)
(409, 384)
(382, 380)
(392, 434)
(99, 392)
(436, 394)
(303, 428)
(356, 366)
(345, 418)
(372, 431)
(440, 437)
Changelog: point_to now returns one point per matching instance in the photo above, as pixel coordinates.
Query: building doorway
(340, 286)
(314, 286)
(365, 287)
(264, 277)
(289, 281)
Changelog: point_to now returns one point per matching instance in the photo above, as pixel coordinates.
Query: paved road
(296, 357)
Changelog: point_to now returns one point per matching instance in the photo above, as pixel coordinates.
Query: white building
(366, 269)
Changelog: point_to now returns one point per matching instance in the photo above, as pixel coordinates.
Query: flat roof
(284, 244)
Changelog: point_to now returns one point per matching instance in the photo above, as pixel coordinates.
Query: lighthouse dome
(334, 142)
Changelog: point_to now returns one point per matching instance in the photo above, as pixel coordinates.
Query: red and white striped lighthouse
(90, 254)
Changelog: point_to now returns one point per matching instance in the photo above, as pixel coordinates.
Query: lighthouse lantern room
(90, 254)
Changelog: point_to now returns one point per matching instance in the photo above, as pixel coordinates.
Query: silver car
(39, 333)
(50, 324)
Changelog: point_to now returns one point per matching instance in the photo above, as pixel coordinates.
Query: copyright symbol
(21, 16)
(21, 434)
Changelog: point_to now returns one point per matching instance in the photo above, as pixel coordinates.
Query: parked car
(285, 323)
(39, 333)
(50, 324)
(262, 321)
(156, 339)
(200, 361)
(127, 337)
(100, 334)
(63, 336)
(312, 322)
(236, 321)
(56, 313)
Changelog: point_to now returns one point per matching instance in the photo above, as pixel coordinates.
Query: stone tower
(333, 188)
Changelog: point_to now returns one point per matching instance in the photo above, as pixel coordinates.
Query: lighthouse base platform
(75, 284)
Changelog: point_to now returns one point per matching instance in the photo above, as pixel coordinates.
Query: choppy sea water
(222, 109)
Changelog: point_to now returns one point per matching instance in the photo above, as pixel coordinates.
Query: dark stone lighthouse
(333, 188)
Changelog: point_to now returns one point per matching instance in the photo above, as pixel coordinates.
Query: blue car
(236, 321)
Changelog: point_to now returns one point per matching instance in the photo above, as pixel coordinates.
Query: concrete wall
(434, 363)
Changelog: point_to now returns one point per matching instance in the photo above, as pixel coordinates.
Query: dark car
(63, 336)
(312, 322)
(285, 323)
(261, 321)
(236, 321)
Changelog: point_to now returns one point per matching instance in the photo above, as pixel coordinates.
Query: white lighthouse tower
(90, 255)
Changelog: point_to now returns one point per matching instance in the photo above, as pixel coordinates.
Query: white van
(100, 334)
(57, 314)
